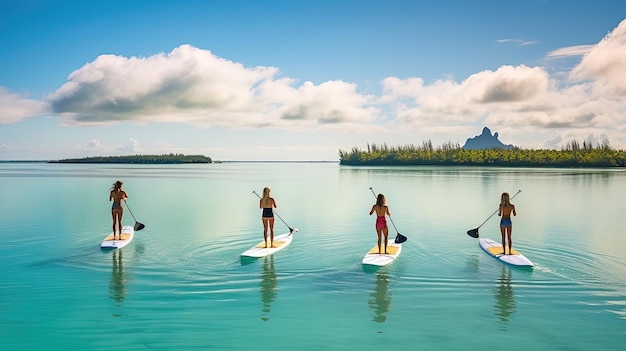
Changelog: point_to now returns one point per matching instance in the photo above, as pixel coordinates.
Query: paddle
(399, 237)
(291, 230)
(138, 226)
(474, 232)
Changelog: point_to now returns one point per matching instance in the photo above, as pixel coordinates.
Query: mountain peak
(485, 141)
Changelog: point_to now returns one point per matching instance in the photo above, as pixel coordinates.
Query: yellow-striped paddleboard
(373, 258)
(128, 233)
(280, 242)
(494, 249)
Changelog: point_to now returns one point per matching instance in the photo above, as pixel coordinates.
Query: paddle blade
(473, 233)
(139, 226)
(400, 239)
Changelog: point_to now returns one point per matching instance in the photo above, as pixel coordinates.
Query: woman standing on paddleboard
(506, 226)
(381, 209)
(267, 203)
(117, 194)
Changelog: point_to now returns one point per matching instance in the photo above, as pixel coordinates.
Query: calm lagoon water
(180, 285)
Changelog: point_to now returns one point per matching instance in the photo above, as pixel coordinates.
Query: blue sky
(299, 80)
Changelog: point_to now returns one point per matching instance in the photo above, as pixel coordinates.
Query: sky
(300, 80)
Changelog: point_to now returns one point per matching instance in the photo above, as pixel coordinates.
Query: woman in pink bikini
(381, 209)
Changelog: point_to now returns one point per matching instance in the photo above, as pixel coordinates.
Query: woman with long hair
(506, 226)
(116, 195)
(381, 209)
(267, 203)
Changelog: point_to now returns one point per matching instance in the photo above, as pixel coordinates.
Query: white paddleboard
(373, 258)
(494, 249)
(128, 233)
(280, 242)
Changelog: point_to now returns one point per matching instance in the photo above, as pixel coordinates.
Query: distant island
(140, 159)
(573, 154)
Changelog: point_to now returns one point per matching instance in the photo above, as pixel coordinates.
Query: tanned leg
(386, 232)
(271, 232)
(265, 224)
(509, 234)
(113, 216)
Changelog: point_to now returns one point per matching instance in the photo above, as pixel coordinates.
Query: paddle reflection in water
(505, 298)
(268, 286)
(380, 298)
(117, 287)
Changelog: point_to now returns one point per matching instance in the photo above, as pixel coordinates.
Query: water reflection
(380, 298)
(117, 287)
(472, 263)
(268, 286)
(505, 298)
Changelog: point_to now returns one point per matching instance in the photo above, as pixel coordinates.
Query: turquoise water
(180, 285)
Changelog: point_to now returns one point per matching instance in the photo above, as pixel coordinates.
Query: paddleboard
(373, 258)
(280, 242)
(494, 249)
(128, 233)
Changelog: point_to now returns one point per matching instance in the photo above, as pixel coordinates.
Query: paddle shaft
(131, 212)
(138, 225)
(277, 215)
(496, 211)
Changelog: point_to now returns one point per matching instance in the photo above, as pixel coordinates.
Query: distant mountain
(485, 141)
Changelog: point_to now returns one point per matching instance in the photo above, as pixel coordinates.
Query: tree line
(141, 159)
(572, 154)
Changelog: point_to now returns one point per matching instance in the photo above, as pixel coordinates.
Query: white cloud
(10, 149)
(190, 85)
(605, 64)
(520, 42)
(130, 147)
(508, 89)
(578, 50)
(91, 145)
(14, 108)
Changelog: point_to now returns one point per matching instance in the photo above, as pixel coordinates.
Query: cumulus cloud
(91, 145)
(14, 108)
(129, 147)
(190, 85)
(605, 64)
(446, 101)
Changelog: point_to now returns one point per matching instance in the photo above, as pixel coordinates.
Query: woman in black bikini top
(267, 203)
